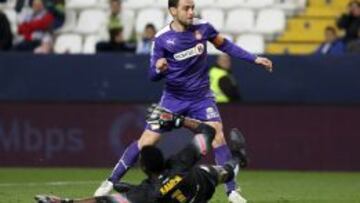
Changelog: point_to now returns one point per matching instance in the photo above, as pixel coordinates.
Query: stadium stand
(150, 15)
(277, 23)
(11, 15)
(68, 44)
(215, 16)
(258, 4)
(311, 23)
(70, 22)
(229, 4)
(254, 43)
(240, 21)
(81, 4)
(91, 21)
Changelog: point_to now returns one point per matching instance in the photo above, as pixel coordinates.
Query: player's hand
(161, 65)
(265, 62)
(160, 118)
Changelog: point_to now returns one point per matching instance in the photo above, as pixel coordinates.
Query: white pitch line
(56, 183)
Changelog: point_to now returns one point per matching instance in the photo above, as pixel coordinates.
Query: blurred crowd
(349, 42)
(38, 21)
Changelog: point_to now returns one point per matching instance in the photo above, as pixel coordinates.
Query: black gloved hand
(160, 118)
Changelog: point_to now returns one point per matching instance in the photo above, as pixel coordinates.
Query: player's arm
(159, 117)
(233, 50)
(192, 153)
(158, 64)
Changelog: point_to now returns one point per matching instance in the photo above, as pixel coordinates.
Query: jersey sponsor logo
(198, 35)
(195, 51)
(211, 113)
(170, 184)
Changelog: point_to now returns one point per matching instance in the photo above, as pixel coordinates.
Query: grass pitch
(20, 185)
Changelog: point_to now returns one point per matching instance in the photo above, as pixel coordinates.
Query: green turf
(20, 185)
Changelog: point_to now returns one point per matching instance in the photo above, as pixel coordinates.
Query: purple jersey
(187, 74)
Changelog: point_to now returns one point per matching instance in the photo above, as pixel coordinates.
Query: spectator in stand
(117, 43)
(354, 46)
(57, 9)
(115, 15)
(350, 21)
(46, 46)
(34, 27)
(144, 44)
(222, 81)
(332, 45)
(6, 36)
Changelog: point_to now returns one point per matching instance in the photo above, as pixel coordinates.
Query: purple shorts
(203, 109)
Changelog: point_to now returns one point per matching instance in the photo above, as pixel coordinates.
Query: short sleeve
(211, 32)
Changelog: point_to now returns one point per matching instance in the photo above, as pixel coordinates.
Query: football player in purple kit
(179, 56)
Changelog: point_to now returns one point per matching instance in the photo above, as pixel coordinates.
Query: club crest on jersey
(211, 113)
(195, 51)
(198, 35)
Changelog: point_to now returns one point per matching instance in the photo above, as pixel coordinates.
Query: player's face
(37, 5)
(115, 7)
(224, 61)
(330, 36)
(184, 13)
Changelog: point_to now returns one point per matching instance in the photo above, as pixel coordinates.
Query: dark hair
(115, 1)
(331, 29)
(113, 32)
(151, 160)
(354, 2)
(173, 3)
(150, 25)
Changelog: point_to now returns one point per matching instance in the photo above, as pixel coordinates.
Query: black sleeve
(6, 36)
(122, 187)
(229, 88)
(344, 21)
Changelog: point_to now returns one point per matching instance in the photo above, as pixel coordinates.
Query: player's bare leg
(127, 160)
(222, 155)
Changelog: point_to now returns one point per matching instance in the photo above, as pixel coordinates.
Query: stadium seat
(168, 19)
(89, 46)
(252, 42)
(229, 4)
(81, 4)
(91, 21)
(257, 4)
(204, 3)
(292, 48)
(12, 17)
(70, 21)
(137, 4)
(103, 4)
(270, 21)
(151, 15)
(214, 16)
(68, 43)
(240, 21)
(7, 4)
(160, 4)
(290, 6)
(128, 20)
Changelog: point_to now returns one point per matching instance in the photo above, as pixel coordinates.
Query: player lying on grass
(178, 179)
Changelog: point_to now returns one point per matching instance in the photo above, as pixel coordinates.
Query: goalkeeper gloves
(160, 118)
